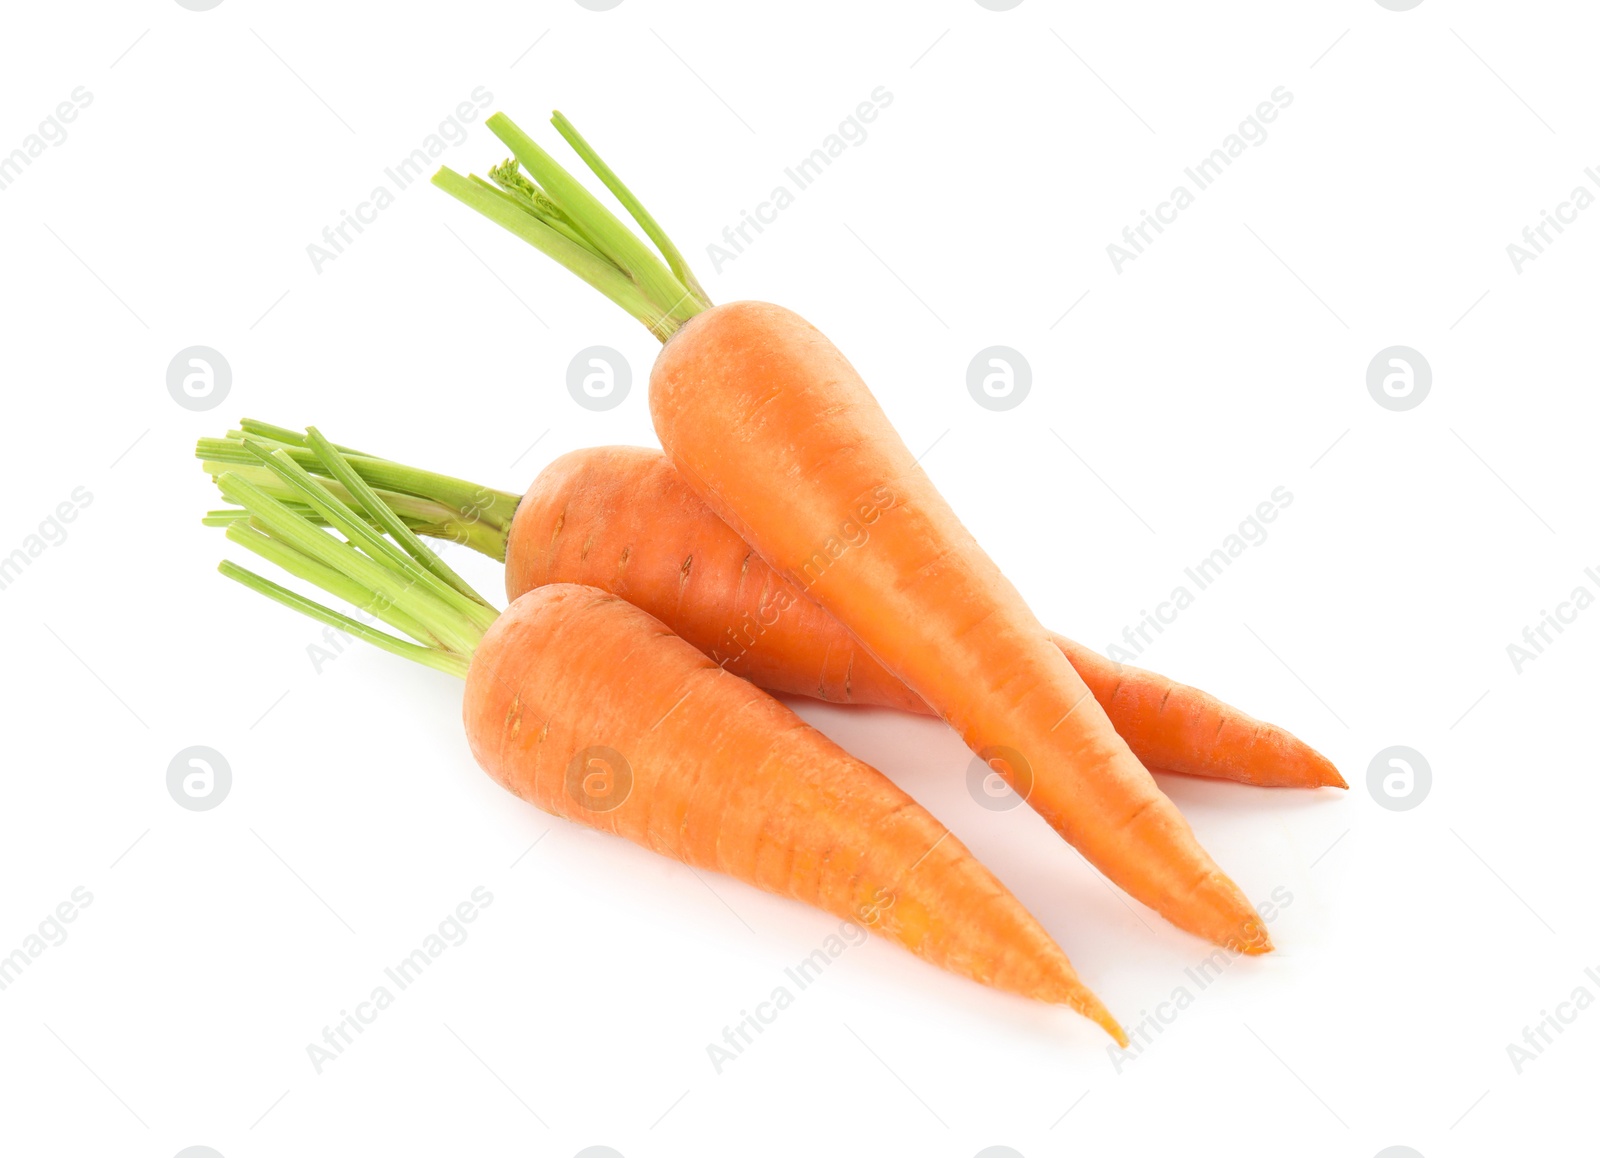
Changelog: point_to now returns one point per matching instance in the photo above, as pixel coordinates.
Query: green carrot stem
(584, 210)
(467, 499)
(335, 583)
(348, 523)
(227, 516)
(402, 583)
(509, 176)
(675, 262)
(445, 622)
(434, 520)
(592, 267)
(447, 662)
(266, 430)
(432, 504)
(509, 182)
(385, 517)
(553, 212)
(352, 525)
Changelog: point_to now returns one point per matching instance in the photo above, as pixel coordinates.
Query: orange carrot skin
(590, 708)
(774, 429)
(620, 518)
(1172, 727)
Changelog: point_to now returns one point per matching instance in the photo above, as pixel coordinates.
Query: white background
(1227, 360)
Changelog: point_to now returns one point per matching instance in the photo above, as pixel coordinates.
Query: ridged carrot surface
(717, 774)
(620, 518)
(772, 427)
(777, 433)
(590, 708)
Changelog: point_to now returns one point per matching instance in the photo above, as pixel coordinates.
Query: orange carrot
(775, 430)
(727, 778)
(621, 519)
(591, 709)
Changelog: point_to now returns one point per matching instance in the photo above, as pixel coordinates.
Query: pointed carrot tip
(1090, 1006)
(1327, 775)
(1109, 1024)
(1253, 940)
(1065, 987)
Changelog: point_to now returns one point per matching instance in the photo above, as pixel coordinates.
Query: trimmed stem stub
(550, 209)
(435, 505)
(336, 531)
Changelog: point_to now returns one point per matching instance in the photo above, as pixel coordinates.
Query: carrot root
(770, 424)
(721, 776)
(589, 708)
(622, 519)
